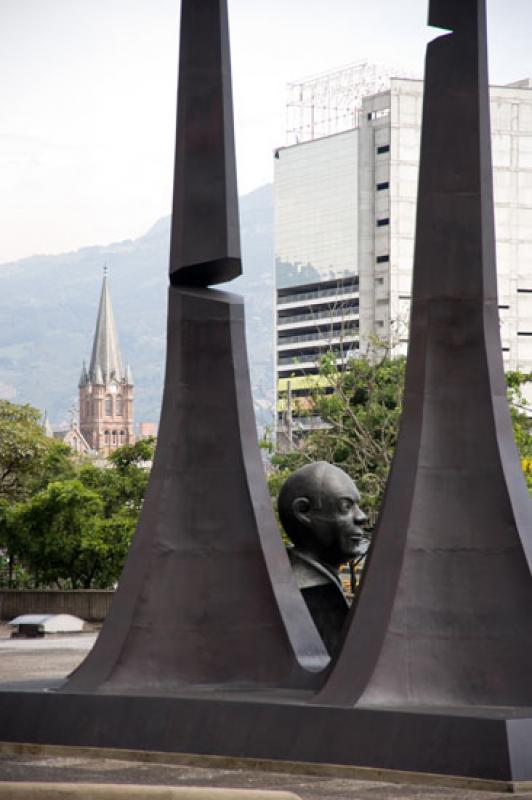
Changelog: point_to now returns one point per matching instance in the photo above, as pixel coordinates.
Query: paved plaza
(39, 660)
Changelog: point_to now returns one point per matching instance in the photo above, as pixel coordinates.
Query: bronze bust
(318, 507)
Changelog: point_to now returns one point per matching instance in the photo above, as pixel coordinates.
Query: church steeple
(106, 389)
(105, 348)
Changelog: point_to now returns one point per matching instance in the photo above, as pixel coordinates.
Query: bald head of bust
(318, 507)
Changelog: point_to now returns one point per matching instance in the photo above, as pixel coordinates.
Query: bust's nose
(359, 515)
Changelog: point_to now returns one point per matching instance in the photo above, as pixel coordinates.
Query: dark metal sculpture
(318, 506)
(205, 243)
(444, 615)
(435, 673)
(207, 596)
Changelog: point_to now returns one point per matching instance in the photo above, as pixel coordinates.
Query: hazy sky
(88, 92)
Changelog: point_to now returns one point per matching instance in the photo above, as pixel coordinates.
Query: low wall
(91, 605)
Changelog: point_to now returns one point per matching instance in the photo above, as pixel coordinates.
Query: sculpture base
(494, 745)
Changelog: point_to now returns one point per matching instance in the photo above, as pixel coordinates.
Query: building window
(382, 186)
(382, 222)
(88, 408)
(383, 259)
(379, 113)
(123, 436)
(108, 405)
(384, 148)
(113, 440)
(119, 405)
(106, 437)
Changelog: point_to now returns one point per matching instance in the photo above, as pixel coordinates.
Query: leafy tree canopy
(133, 455)
(65, 522)
(53, 533)
(522, 420)
(362, 415)
(24, 448)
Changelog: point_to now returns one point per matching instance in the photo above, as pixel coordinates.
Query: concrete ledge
(92, 791)
(339, 771)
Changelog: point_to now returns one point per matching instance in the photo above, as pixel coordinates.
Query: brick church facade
(106, 387)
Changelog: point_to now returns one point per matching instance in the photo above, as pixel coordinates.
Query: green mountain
(48, 307)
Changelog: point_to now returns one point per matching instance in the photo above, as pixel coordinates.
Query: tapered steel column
(207, 597)
(205, 239)
(445, 611)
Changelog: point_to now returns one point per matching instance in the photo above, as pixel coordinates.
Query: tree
(63, 539)
(110, 547)
(12, 574)
(29, 460)
(122, 485)
(23, 449)
(56, 465)
(362, 417)
(133, 455)
(522, 420)
(52, 534)
(75, 529)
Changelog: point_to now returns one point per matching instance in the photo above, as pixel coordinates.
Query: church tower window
(119, 405)
(108, 405)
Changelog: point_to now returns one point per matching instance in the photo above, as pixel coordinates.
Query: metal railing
(315, 294)
(338, 312)
(327, 336)
(314, 358)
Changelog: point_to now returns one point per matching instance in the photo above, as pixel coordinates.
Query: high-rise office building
(345, 225)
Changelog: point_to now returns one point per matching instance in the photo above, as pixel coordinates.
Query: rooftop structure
(330, 102)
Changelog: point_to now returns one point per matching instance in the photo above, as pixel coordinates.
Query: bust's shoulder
(308, 571)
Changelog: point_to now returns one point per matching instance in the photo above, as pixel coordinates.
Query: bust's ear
(301, 507)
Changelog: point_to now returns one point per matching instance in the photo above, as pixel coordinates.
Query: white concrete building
(345, 206)
(389, 140)
(316, 246)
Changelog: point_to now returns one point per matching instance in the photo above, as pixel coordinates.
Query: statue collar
(308, 577)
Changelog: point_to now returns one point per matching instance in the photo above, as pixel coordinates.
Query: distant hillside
(48, 308)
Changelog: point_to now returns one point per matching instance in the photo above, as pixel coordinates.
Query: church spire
(106, 389)
(106, 361)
